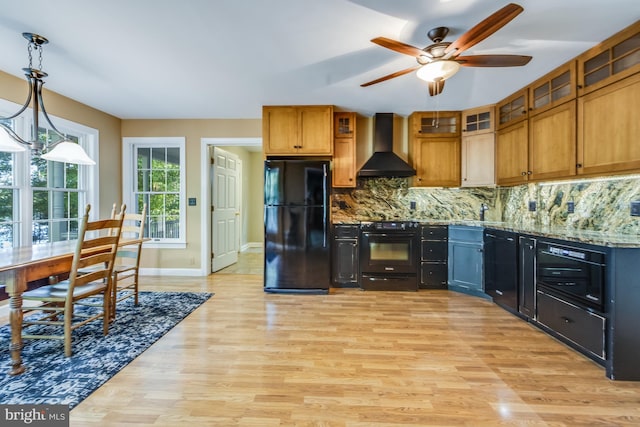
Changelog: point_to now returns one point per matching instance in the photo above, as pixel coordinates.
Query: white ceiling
(227, 58)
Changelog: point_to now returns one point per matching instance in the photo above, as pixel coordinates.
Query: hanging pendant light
(60, 151)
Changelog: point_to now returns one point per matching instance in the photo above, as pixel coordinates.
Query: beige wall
(15, 89)
(256, 196)
(193, 130)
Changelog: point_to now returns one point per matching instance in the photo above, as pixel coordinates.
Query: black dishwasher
(501, 268)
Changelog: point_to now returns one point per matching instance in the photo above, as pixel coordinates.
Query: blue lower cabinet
(466, 271)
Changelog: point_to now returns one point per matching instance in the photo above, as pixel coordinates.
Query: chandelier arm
(26, 104)
(14, 135)
(46, 116)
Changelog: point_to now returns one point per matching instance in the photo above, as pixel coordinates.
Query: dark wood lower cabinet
(433, 257)
(344, 258)
(583, 328)
(501, 268)
(527, 276)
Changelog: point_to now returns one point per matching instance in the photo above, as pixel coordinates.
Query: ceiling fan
(441, 60)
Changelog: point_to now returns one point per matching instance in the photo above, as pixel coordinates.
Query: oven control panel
(389, 225)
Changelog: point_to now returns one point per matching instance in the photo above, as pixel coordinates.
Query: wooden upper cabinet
(297, 130)
(512, 154)
(608, 128)
(344, 125)
(279, 129)
(344, 150)
(512, 109)
(434, 148)
(553, 89)
(435, 124)
(478, 160)
(437, 162)
(552, 143)
(478, 147)
(478, 120)
(614, 59)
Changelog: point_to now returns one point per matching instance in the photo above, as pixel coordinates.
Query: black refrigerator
(296, 224)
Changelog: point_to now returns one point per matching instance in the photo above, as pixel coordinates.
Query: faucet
(483, 209)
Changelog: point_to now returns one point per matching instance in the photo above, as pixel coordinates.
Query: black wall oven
(575, 274)
(389, 255)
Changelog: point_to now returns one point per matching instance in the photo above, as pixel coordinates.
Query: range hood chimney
(384, 162)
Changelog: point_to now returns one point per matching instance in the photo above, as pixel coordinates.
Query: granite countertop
(583, 236)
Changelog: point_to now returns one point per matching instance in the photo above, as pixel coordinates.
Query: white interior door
(225, 212)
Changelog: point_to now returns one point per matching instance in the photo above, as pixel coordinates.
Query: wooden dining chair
(95, 253)
(127, 264)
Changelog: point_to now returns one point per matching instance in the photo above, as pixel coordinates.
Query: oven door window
(386, 253)
(380, 251)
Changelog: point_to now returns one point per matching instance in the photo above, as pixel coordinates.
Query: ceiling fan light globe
(438, 70)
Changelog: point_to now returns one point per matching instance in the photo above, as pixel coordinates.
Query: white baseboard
(250, 245)
(195, 272)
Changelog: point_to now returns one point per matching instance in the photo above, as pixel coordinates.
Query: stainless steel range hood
(384, 162)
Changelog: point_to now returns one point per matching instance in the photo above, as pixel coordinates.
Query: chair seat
(59, 290)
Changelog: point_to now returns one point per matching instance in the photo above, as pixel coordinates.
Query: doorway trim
(205, 191)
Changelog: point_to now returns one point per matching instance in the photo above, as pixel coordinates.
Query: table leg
(15, 285)
(15, 318)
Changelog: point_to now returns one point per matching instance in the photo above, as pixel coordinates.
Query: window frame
(129, 178)
(88, 176)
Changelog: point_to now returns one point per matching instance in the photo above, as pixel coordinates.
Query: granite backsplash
(601, 204)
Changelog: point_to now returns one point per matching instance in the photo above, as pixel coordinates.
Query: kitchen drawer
(433, 275)
(433, 250)
(434, 232)
(390, 282)
(345, 231)
(582, 327)
(466, 233)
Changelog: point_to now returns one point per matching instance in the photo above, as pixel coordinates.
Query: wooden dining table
(18, 267)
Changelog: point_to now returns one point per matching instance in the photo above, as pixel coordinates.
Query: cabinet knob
(529, 172)
(579, 165)
(523, 174)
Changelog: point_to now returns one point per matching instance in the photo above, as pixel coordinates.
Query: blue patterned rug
(51, 378)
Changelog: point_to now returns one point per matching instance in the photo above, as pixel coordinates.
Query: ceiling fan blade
(435, 88)
(391, 76)
(493, 60)
(484, 29)
(407, 49)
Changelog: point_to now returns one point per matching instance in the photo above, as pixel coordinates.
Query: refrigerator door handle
(325, 192)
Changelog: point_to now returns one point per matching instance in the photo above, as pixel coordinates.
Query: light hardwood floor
(353, 358)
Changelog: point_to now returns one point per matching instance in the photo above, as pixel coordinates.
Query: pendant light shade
(8, 144)
(64, 151)
(68, 152)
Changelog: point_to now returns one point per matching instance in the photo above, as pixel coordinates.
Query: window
(9, 223)
(153, 173)
(43, 201)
